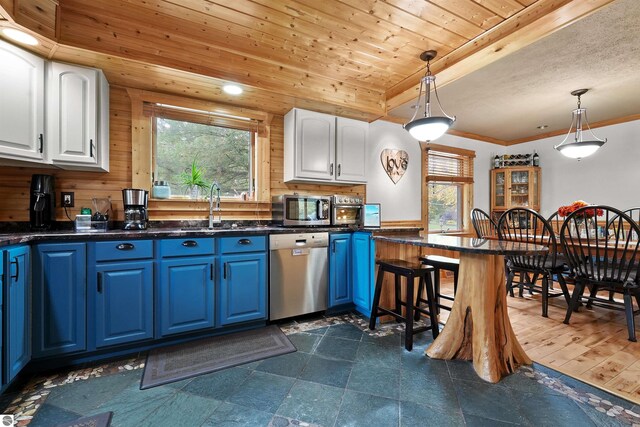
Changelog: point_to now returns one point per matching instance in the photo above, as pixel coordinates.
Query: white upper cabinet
(76, 137)
(21, 104)
(324, 148)
(315, 139)
(75, 102)
(351, 149)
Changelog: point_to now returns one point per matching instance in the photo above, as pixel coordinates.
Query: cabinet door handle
(211, 268)
(91, 148)
(189, 243)
(125, 247)
(331, 168)
(41, 141)
(333, 247)
(244, 242)
(99, 283)
(15, 261)
(339, 168)
(225, 271)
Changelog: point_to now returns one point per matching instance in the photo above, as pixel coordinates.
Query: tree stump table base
(478, 327)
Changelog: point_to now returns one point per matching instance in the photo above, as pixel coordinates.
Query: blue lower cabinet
(340, 288)
(17, 315)
(59, 299)
(243, 288)
(123, 301)
(362, 271)
(185, 294)
(2, 286)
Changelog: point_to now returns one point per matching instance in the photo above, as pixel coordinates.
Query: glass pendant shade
(428, 127)
(578, 148)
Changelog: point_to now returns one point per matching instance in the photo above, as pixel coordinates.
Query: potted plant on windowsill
(193, 180)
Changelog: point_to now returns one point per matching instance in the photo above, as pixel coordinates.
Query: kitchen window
(448, 196)
(192, 149)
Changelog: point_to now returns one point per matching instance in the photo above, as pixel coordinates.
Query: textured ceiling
(509, 98)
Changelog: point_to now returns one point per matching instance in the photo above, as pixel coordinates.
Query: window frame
(175, 209)
(464, 179)
(251, 196)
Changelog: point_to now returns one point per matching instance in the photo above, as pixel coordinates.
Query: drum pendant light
(577, 147)
(428, 127)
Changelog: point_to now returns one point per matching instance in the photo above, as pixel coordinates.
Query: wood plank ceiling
(352, 57)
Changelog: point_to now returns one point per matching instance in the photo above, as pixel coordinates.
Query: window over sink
(192, 149)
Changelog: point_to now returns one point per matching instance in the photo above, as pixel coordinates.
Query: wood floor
(594, 348)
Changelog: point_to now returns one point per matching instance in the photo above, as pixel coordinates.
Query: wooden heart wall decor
(395, 163)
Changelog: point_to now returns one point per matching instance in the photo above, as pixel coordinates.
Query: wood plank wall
(15, 181)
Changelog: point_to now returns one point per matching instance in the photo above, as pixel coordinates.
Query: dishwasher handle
(301, 242)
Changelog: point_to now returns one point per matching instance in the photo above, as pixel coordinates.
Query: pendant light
(577, 147)
(428, 127)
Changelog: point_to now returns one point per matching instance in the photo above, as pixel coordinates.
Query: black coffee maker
(42, 204)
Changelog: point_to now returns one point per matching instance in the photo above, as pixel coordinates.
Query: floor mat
(175, 363)
(100, 420)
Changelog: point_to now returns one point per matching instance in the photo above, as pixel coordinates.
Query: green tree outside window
(221, 154)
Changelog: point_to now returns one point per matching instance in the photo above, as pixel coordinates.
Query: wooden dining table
(478, 328)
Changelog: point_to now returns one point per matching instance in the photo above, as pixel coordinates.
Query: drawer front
(124, 249)
(243, 244)
(187, 246)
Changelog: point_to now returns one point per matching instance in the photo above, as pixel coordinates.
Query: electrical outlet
(67, 199)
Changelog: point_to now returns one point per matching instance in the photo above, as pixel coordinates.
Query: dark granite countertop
(12, 238)
(466, 244)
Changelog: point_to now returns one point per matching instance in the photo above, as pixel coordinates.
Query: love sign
(394, 163)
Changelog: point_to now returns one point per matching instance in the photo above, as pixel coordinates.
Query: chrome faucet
(211, 219)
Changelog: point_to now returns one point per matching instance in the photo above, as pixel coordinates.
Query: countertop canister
(161, 190)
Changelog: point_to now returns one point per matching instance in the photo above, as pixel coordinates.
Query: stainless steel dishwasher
(298, 274)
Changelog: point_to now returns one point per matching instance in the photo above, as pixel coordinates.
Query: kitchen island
(478, 327)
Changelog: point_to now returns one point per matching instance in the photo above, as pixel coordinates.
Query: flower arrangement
(565, 211)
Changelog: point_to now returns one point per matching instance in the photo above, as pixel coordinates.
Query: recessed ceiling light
(20, 36)
(232, 89)
(542, 127)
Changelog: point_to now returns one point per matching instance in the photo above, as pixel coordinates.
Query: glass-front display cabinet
(515, 187)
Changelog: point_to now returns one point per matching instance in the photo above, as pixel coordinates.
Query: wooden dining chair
(555, 221)
(634, 214)
(606, 262)
(528, 226)
(483, 224)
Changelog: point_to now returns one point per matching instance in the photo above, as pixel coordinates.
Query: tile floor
(341, 375)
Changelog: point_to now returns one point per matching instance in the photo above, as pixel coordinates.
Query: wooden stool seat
(438, 263)
(410, 270)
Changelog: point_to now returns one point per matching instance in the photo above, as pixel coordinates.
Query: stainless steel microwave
(301, 210)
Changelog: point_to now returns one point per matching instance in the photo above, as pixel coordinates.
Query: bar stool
(409, 270)
(441, 263)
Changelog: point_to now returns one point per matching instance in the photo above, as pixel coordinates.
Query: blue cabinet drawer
(124, 249)
(186, 246)
(243, 244)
